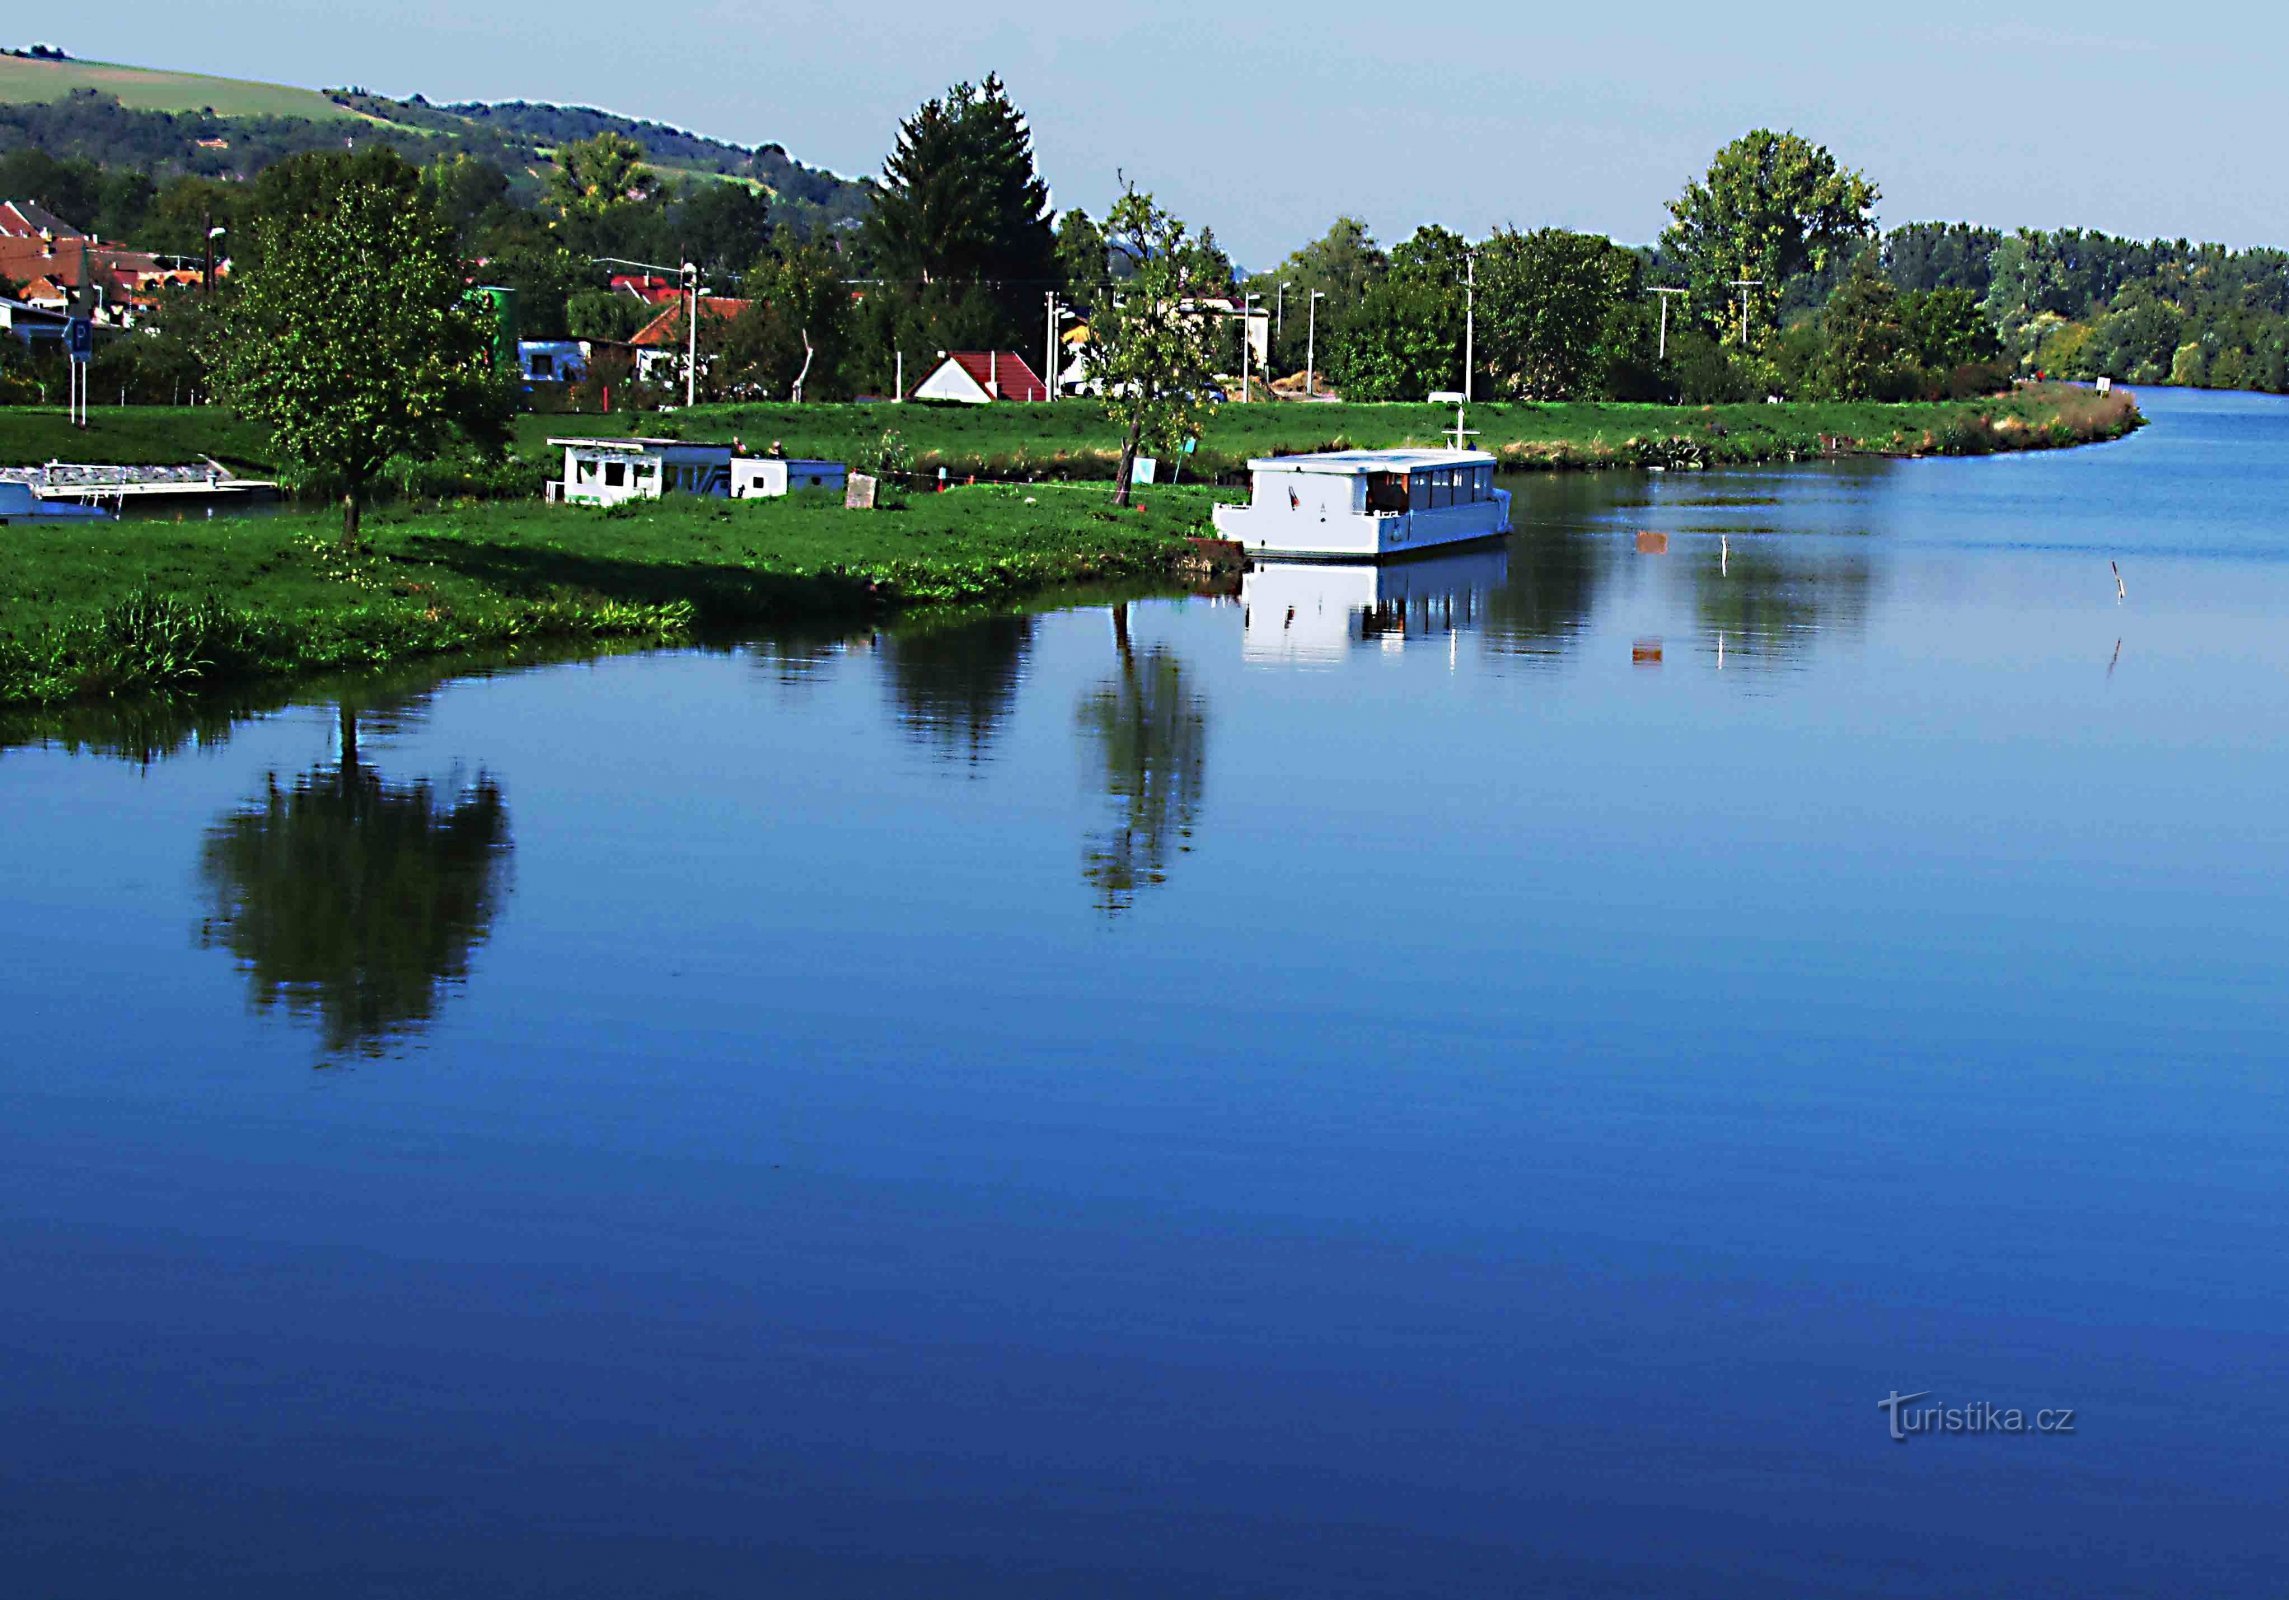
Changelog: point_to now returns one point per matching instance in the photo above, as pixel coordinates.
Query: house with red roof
(662, 342)
(978, 377)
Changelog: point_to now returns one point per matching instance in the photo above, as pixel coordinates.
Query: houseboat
(1367, 505)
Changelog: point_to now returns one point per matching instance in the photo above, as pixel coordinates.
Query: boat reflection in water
(1307, 611)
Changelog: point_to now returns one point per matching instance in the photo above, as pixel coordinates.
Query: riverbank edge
(1076, 442)
(143, 640)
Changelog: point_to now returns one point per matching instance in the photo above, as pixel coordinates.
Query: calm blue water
(1441, 1089)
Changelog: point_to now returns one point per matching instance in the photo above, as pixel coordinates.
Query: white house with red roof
(975, 377)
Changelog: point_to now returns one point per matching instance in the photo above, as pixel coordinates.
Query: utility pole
(1049, 349)
(1311, 346)
(1745, 285)
(1280, 310)
(691, 367)
(1665, 296)
(1469, 327)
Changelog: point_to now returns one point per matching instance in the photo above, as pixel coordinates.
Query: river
(1478, 1081)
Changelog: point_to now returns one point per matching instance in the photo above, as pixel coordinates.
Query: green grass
(132, 607)
(134, 436)
(25, 81)
(1076, 439)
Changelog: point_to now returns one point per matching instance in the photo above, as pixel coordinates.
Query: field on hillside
(142, 89)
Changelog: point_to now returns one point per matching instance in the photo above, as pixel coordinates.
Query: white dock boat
(1367, 505)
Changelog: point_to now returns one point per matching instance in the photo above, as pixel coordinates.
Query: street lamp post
(1469, 325)
(1311, 345)
(1280, 309)
(1247, 347)
(207, 272)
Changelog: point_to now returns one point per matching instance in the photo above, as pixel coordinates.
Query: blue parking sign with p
(79, 338)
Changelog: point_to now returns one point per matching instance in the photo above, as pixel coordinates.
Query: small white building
(977, 377)
(1367, 504)
(604, 472)
(760, 477)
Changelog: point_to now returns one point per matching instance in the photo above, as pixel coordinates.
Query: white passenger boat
(1367, 505)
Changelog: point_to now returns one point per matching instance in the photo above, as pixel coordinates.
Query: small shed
(604, 472)
(977, 377)
(552, 360)
(761, 477)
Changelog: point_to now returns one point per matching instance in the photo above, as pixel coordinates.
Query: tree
(1154, 353)
(1772, 206)
(591, 176)
(1544, 302)
(724, 225)
(1944, 329)
(1403, 342)
(1343, 264)
(1866, 340)
(354, 337)
(960, 231)
(793, 339)
(1084, 261)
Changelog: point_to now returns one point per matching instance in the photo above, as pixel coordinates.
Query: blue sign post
(79, 340)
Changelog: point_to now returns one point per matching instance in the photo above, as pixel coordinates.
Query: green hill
(24, 81)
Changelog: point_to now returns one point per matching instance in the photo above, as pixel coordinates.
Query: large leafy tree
(354, 336)
(1772, 206)
(1405, 339)
(960, 231)
(1546, 303)
(724, 225)
(792, 342)
(1867, 343)
(1150, 346)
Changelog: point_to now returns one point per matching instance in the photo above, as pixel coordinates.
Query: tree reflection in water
(355, 901)
(1150, 730)
(1769, 600)
(955, 685)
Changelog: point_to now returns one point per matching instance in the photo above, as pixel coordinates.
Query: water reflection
(354, 901)
(1554, 577)
(1768, 599)
(955, 683)
(1306, 611)
(1149, 729)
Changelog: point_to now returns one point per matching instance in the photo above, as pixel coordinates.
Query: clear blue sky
(1266, 121)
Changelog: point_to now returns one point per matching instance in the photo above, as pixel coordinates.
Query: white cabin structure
(761, 477)
(604, 472)
(1366, 505)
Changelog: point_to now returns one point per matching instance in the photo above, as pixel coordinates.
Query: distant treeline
(2086, 305)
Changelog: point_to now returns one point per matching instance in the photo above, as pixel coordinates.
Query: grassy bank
(1076, 439)
(99, 609)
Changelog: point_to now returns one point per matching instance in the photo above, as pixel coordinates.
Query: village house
(662, 343)
(978, 377)
(62, 267)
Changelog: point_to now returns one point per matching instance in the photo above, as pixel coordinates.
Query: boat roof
(1353, 462)
(640, 444)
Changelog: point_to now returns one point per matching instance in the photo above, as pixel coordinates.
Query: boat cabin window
(584, 469)
(615, 474)
(1386, 491)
